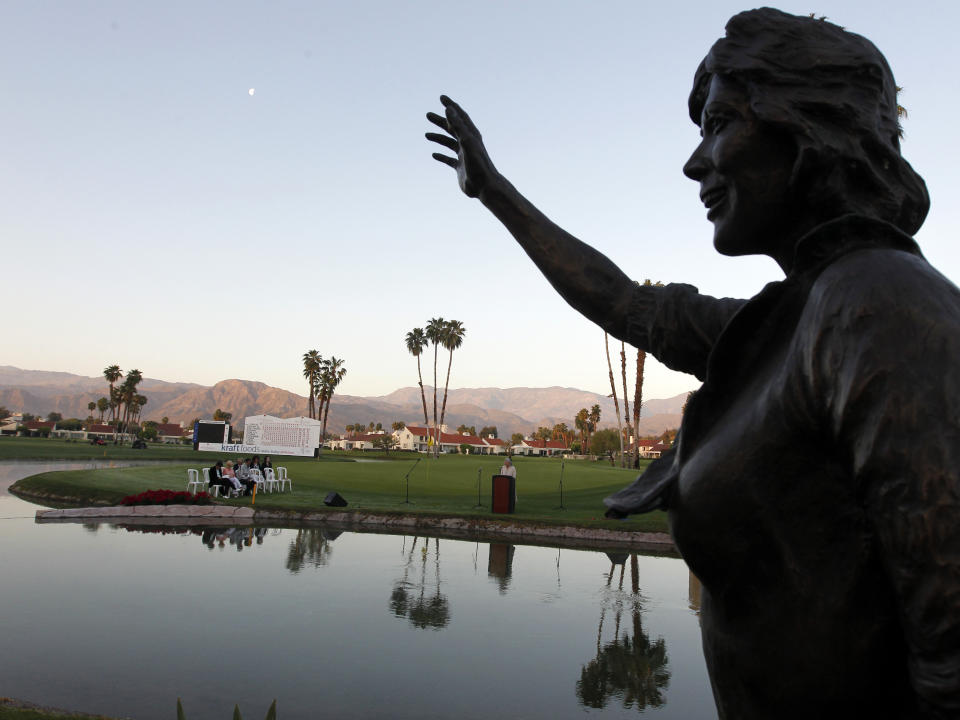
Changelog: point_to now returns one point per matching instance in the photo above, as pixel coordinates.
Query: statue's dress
(815, 485)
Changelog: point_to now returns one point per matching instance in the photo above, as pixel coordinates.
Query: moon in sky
(251, 91)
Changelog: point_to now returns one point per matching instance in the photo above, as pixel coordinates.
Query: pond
(106, 619)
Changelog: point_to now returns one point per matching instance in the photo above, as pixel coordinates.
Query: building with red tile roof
(100, 429)
(536, 446)
(171, 430)
(417, 438)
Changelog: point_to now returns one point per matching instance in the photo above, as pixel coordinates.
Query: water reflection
(525, 630)
(409, 598)
(629, 667)
(312, 547)
(500, 564)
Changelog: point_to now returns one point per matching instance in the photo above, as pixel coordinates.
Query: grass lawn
(21, 448)
(444, 486)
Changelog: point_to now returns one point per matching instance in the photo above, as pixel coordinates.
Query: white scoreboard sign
(268, 435)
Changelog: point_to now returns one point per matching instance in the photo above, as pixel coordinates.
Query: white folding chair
(269, 479)
(212, 489)
(283, 478)
(194, 483)
(257, 477)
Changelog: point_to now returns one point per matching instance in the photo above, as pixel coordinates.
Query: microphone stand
(479, 504)
(562, 464)
(407, 478)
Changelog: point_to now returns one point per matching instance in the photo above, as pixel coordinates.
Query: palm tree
(112, 373)
(129, 393)
(331, 374)
(638, 388)
(638, 398)
(434, 333)
(562, 432)
(631, 429)
(311, 370)
(102, 405)
(416, 342)
(114, 407)
(91, 406)
(139, 402)
(613, 388)
(594, 419)
(452, 339)
(580, 422)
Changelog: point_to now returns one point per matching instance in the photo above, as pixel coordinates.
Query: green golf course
(446, 486)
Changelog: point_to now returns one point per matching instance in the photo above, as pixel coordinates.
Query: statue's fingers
(444, 140)
(452, 162)
(459, 121)
(439, 121)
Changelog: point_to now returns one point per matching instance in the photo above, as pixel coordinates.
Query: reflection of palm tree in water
(423, 611)
(631, 668)
(311, 546)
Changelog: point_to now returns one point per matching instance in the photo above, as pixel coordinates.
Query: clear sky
(155, 214)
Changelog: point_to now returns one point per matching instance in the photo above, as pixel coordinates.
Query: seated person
(217, 477)
(230, 474)
(245, 477)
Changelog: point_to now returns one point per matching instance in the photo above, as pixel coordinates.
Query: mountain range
(510, 409)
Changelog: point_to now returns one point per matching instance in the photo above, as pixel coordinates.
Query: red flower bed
(167, 497)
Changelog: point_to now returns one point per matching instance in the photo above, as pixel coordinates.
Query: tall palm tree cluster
(124, 402)
(586, 422)
(322, 376)
(630, 431)
(449, 334)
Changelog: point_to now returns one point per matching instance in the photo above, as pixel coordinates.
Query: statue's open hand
(473, 166)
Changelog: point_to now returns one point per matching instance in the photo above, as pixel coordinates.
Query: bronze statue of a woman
(815, 485)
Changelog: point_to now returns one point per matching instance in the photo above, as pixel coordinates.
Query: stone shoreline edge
(365, 521)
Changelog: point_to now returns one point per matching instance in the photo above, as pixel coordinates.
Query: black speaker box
(334, 499)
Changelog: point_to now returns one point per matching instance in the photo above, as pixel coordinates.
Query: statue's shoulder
(888, 284)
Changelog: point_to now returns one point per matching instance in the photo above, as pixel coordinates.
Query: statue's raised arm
(586, 278)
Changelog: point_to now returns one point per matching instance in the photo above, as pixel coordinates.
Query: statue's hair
(834, 94)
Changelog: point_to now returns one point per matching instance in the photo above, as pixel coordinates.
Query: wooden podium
(504, 494)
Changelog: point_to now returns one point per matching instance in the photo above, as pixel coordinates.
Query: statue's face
(743, 167)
